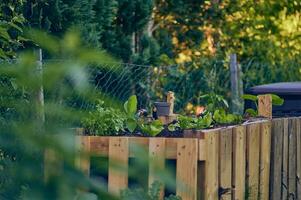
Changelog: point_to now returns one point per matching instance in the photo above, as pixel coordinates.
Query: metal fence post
(236, 86)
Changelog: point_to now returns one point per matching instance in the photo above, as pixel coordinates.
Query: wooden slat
(118, 164)
(239, 162)
(292, 158)
(187, 157)
(298, 128)
(171, 148)
(265, 106)
(83, 149)
(209, 191)
(157, 162)
(284, 185)
(100, 145)
(253, 144)
(225, 163)
(52, 164)
(193, 134)
(265, 150)
(202, 150)
(276, 159)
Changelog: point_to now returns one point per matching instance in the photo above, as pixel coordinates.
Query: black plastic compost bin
(289, 91)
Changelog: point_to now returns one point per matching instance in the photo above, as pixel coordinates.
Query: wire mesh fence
(113, 83)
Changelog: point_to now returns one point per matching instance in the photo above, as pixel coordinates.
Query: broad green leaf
(251, 112)
(125, 106)
(276, 100)
(172, 127)
(249, 97)
(155, 130)
(131, 124)
(157, 123)
(226, 103)
(16, 27)
(130, 105)
(207, 119)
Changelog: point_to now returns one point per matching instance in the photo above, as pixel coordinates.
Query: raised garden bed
(206, 167)
(232, 162)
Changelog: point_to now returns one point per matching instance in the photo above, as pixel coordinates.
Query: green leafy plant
(104, 120)
(276, 101)
(152, 194)
(204, 122)
(221, 117)
(152, 128)
(186, 122)
(214, 101)
(130, 108)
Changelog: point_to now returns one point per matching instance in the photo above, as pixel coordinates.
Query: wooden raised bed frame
(229, 163)
(218, 159)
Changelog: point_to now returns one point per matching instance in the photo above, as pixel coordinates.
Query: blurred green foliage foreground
(29, 126)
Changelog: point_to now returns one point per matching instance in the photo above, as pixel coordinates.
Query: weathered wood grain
(276, 159)
(265, 152)
(187, 160)
(118, 164)
(225, 163)
(156, 162)
(239, 162)
(253, 147)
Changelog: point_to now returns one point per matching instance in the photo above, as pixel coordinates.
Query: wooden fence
(259, 160)
(285, 159)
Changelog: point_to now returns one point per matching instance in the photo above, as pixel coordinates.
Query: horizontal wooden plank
(99, 145)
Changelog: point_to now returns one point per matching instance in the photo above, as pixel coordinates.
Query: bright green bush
(104, 121)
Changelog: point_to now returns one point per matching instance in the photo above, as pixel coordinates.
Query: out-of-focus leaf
(276, 100)
(130, 106)
(131, 124)
(249, 97)
(251, 112)
(43, 40)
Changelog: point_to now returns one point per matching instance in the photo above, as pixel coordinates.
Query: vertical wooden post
(83, 148)
(157, 162)
(236, 89)
(298, 176)
(171, 116)
(225, 163)
(209, 190)
(187, 164)
(284, 185)
(171, 99)
(292, 165)
(253, 145)
(239, 162)
(265, 153)
(52, 164)
(276, 159)
(265, 106)
(118, 164)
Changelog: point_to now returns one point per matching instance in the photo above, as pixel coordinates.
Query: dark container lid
(284, 88)
(161, 104)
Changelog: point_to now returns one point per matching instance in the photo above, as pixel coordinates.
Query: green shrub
(104, 121)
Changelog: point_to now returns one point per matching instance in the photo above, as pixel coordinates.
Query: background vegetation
(183, 46)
